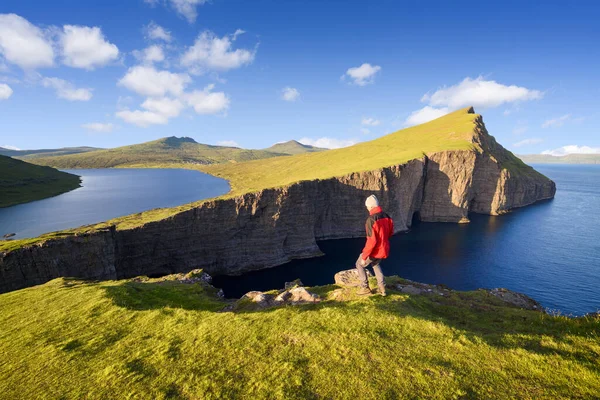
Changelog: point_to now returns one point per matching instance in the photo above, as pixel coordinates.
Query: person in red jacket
(379, 228)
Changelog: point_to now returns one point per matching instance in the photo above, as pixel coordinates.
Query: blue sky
(252, 73)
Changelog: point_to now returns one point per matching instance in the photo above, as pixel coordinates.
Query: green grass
(21, 182)
(452, 132)
(125, 339)
(184, 151)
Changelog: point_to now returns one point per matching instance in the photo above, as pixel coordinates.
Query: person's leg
(362, 273)
(379, 275)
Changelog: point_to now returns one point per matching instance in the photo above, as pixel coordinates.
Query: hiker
(379, 229)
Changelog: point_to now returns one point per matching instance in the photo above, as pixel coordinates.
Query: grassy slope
(124, 339)
(569, 159)
(451, 132)
(293, 147)
(21, 182)
(29, 154)
(162, 151)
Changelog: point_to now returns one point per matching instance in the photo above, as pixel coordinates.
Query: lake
(107, 194)
(549, 251)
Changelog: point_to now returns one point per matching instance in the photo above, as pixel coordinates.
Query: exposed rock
(273, 226)
(517, 299)
(9, 235)
(409, 289)
(300, 295)
(258, 297)
(349, 278)
(296, 295)
(295, 282)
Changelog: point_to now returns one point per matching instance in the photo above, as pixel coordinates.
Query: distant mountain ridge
(292, 147)
(568, 159)
(46, 152)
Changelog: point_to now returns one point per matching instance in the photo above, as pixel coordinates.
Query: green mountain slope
(21, 182)
(171, 150)
(160, 338)
(568, 159)
(293, 147)
(29, 154)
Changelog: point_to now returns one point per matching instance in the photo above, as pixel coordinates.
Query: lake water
(109, 193)
(550, 251)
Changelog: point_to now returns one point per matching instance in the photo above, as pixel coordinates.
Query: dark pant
(362, 274)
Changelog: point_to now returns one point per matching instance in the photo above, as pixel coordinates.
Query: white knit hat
(372, 202)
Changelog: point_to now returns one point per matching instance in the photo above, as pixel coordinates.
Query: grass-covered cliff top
(156, 340)
(452, 132)
(21, 182)
(568, 159)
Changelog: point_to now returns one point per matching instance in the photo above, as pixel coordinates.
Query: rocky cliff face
(273, 226)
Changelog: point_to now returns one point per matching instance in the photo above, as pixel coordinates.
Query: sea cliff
(272, 226)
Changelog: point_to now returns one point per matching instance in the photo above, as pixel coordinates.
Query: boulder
(300, 295)
(294, 283)
(517, 299)
(348, 278)
(257, 297)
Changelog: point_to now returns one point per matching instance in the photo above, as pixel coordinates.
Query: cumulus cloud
(228, 143)
(157, 32)
(556, 122)
(290, 94)
(164, 106)
(142, 118)
(425, 114)
(210, 52)
(370, 122)
(328, 143)
(527, 142)
(479, 93)
(572, 149)
(150, 54)
(206, 101)
(98, 127)
(85, 47)
(66, 90)
(5, 91)
(363, 75)
(187, 8)
(24, 44)
(147, 81)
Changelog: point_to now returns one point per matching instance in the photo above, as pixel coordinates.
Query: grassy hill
(568, 159)
(169, 150)
(293, 147)
(156, 339)
(21, 182)
(30, 154)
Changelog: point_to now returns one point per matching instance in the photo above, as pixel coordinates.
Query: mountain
(21, 182)
(293, 147)
(28, 154)
(169, 150)
(568, 159)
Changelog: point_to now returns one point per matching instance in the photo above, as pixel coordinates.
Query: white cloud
(24, 44)
(328, 143)
(187, 8)
(363, 75)
(572, 149)
(142, 118)
(164, 106)
(206, 101)
(85, 47)
(527, 142)
(157, 32)
(290, 94)
(5, 91)
(519, 130)
(150, 54)
(147, 81)
(66, 90)
(9, 147)
(425, 114)
(370, 122)
(479, 93)
(210, 52)
(228, 143)
(556, 122)
(98, 127)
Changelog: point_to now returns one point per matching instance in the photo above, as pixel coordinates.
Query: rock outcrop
(273, 226)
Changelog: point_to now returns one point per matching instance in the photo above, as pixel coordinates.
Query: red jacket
(379, 229)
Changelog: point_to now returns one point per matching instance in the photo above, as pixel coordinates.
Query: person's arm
(371, 239)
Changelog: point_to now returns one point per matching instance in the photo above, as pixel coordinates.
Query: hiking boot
(382, 291)
(363, 291)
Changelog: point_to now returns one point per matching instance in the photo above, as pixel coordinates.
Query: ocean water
(549, 251)
(106, 194)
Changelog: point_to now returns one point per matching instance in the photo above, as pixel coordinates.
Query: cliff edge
(280, 207)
